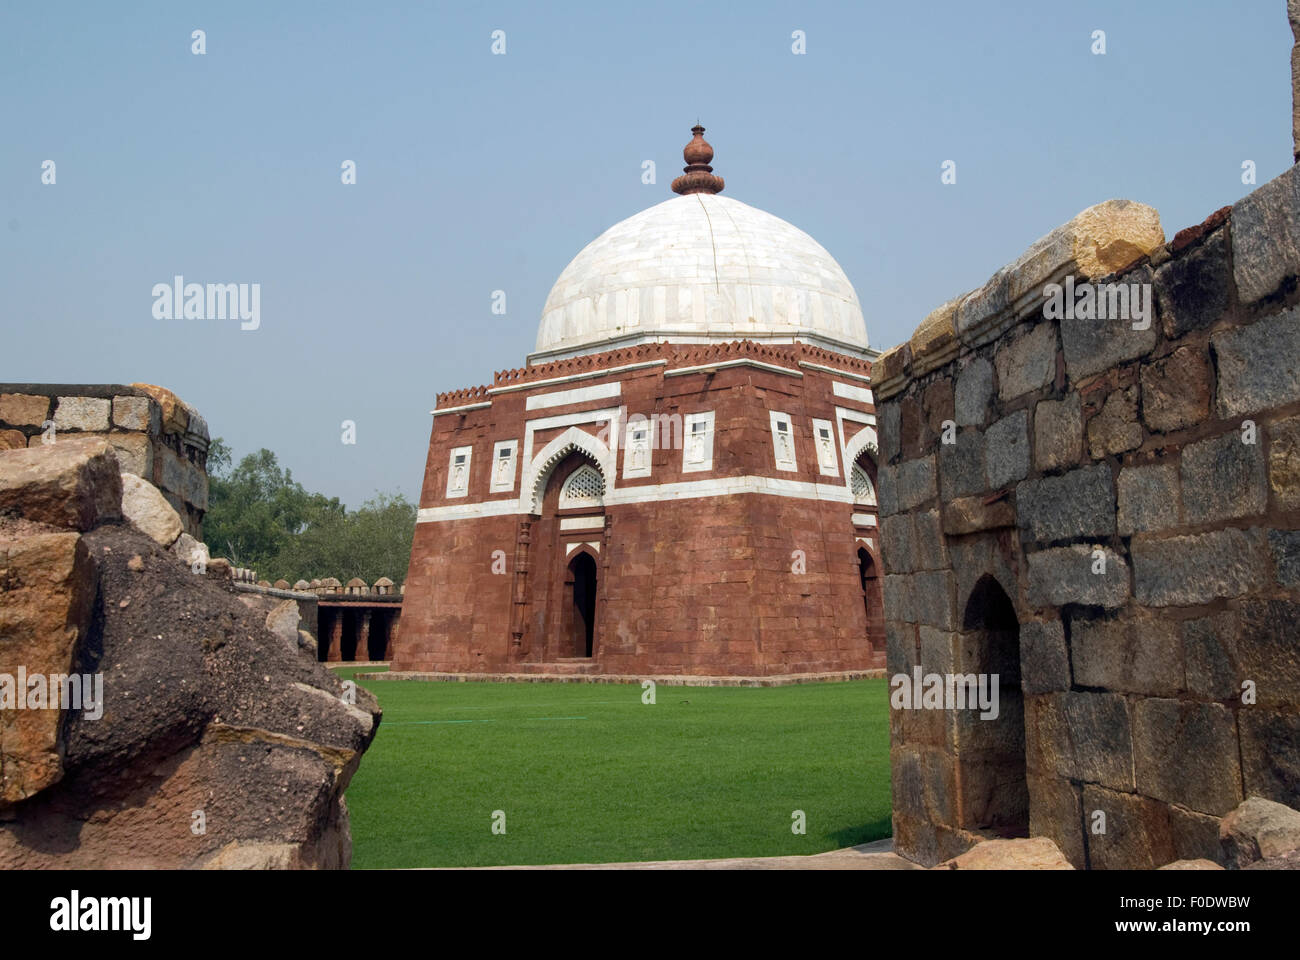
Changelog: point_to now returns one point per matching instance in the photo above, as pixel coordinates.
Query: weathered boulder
(282, 620)
(1031, 853)
(1259, 829)
(72, 483)
(1198, 864)
(214, 744)
(144, 505)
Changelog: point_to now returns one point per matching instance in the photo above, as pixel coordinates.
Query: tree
(260, 517)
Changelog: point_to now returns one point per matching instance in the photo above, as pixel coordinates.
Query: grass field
(587, 773)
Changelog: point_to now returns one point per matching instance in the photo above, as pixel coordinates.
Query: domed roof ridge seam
(713, 242)
(744, 249)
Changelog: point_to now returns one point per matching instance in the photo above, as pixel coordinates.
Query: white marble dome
(695, 269)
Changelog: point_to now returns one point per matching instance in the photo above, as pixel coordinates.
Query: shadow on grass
(875, 830)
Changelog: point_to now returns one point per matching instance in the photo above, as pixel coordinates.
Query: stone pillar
(394, 624)
(362, 651)
(334, 635)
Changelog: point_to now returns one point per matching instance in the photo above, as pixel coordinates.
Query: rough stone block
(1265, 227)
(1176, 390)
(1115, 429)
(81, 413)
(1270, 754)
(1128, 655)
(1026, 363)
(1223, 478)
(134, 453)
(961, 465)
(890, 430)
(971, 514)
(930, 550)
(887, 490)
(1080, 503)
(1196, 569)
(175, 414)
(1284, 545)
(897, 543)
(1284, 463)
(1065, 575)
(1102, 749)
(73, 482)
(974, 393)
(1203, 736)
(1268, 651)
(136, 413)
(1210, 657)
(896, 596)
(1149, 499)
(1058, 432)
(1092, 346)
(1044, 661)
(12, 440)
(1137, 836)
(1056, 812)
(49, 593)
(24, 409)
(145, 507)
(1006, 446)
(1193, 288)
(1259, 365)
(916, 483)
(932, 594)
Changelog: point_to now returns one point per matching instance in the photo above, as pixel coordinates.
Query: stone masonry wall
(1136, 495)
(156, 435)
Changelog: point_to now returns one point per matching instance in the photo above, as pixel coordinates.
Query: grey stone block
(1149, 498)
(81, 413)
(931, 553)
(1206, 776)
(1223, 478)
(1285, 548)
(887, 490)
(1193, 288)
(1196, 569)
(1092, 346)
(890, 430)
(1080, 503)
(1058, 432)
(1044, 661)
(1006, 450)
(1270, 754)
(1026, 363)
(1210, 657)
(1102, 745)
(1259, 365)
(932, 596)
(974, 391)
(961, 466)
(1265, 228)
(1127, 655)
(1268, 651)
(896, 595)
(897, 544)
(916, 482)
(1065, 575)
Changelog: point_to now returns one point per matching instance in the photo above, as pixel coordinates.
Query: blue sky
(478, 172)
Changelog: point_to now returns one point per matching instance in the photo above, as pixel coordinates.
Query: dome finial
(698, 175)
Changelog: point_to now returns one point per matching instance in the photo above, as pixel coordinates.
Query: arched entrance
(580, 594)
(867, 575)
(993, 785)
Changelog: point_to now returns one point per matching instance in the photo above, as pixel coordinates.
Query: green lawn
(587, 773)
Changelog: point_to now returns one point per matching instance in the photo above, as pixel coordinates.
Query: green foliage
(260, 517)
(590, 774)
